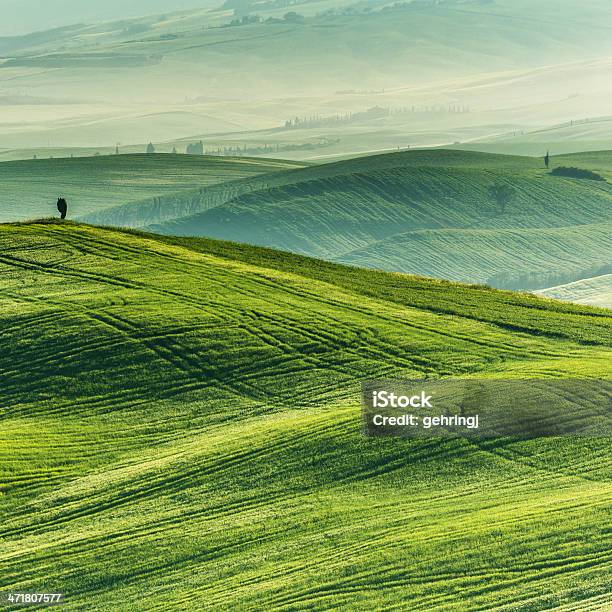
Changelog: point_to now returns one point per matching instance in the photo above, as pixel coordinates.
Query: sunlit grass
(181, 430)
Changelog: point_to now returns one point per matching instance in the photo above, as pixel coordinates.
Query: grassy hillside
(496, 257)
(425, 212)
(422, 212)
(595, 291)
(330, 217)
(181, 430)
(187, 203)
(29, 189)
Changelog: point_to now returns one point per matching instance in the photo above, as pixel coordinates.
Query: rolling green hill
(187, 203)
(330, 217)
(495, 257)
(422, 212)
(181, 430)
(29, 189)
(425, 212)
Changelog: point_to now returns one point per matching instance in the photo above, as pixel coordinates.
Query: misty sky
(23, 16)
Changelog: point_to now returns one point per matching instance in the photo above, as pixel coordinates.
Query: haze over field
(493, 73)
(311, 81)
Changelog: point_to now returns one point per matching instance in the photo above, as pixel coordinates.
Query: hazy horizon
(308, 80)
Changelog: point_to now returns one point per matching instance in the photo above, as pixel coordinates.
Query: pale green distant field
(594, 291)
(593, 134)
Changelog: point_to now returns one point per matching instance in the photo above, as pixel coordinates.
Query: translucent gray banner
(487, 408)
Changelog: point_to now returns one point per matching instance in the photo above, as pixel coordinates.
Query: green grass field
(30, 188)
(495, 257)
(424, 212)
(181, 431)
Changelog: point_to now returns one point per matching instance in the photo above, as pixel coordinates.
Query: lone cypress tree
(62, 206)
(150, 148)
(547, 159)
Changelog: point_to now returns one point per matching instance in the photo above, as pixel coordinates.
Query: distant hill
(452, 71)
(514, 258)
(30, 188)
(333, 216)
(25, 16)
(181, 429)
(171, 207)
(595, 291)
(571, 137)
(423, 212)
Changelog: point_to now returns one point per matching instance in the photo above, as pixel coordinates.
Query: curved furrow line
(526, 460)
(174, 482)
(391, 579)
(440, 537)
(377, 348)
(119, 282)
(596, 602)
(469, 339)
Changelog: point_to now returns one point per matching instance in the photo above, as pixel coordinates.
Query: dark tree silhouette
(150, 148)
(197, 148)
(502, 194)
(62, 206)
(577, 173)
(547, 159)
